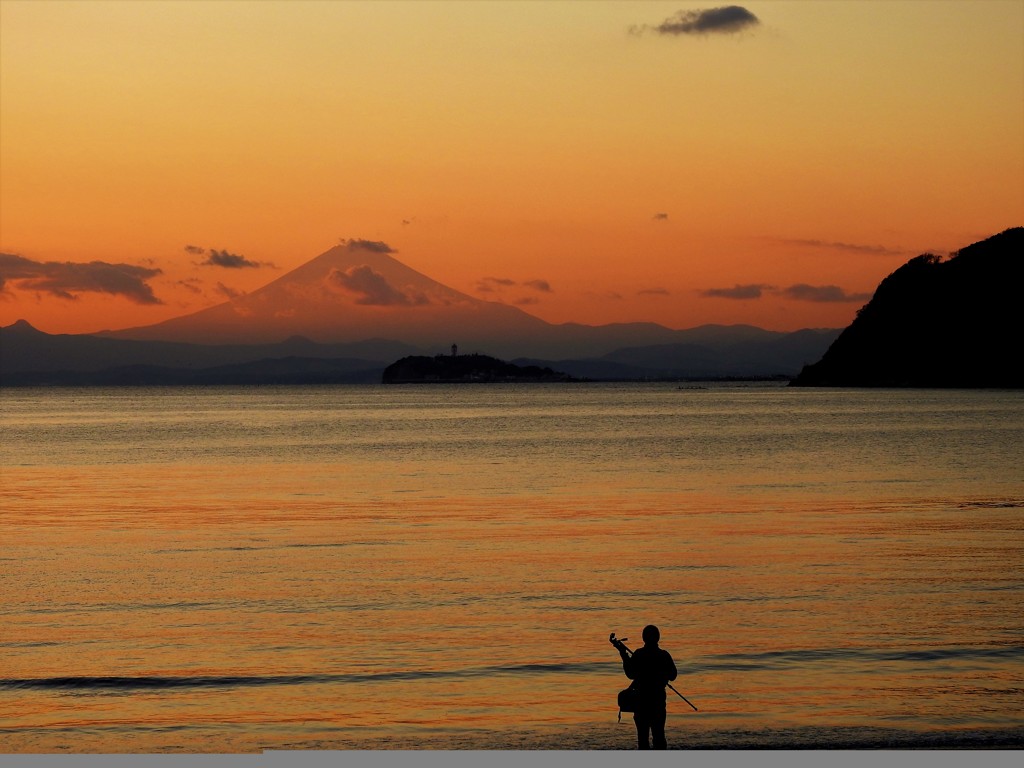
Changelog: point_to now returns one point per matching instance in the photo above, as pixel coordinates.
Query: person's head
(651, 635)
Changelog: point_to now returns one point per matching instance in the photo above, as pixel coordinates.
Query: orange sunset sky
(589, 161)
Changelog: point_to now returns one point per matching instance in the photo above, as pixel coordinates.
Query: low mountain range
(936, 322)
(30, 357)
(348, 313)
(353, 310)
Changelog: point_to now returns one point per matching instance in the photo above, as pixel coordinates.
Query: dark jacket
(650, 668)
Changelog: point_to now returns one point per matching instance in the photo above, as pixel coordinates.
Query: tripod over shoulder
(627, 655)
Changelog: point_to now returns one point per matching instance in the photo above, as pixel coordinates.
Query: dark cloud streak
(879, 250)
(228, 261)
(821, 293)
(742, 292)
(373, 289)
(228, 291)
(726, 20)
(225, 259)
(374, 246)
(498, 284)
(797, 292)
(539, 285)
(68, 279)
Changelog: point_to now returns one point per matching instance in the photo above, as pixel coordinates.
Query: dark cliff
(936, 322)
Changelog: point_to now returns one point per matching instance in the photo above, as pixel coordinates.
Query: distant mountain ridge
(936, 323)
(30, 357)
(350, 312)
(23, 348)
(358, 306)
(705, 352)
(358, 290)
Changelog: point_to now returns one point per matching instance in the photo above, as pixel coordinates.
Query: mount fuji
(353, 292)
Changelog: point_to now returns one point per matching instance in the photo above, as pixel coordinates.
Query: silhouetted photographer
(651, 668)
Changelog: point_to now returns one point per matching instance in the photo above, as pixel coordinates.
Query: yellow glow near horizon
(519, 140)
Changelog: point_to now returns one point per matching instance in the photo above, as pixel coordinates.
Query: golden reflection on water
(180, 578)
(439, 601)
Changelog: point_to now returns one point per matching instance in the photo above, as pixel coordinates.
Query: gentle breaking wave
(728, 661)
(157, 682)
(993, 504)
(789, 658)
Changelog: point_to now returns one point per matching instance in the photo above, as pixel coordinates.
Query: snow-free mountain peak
(354, 291)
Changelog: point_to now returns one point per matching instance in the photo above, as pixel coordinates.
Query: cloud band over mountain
(373, 246)
(373, 289)
(68, 279)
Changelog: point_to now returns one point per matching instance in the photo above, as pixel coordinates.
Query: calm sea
(236, 569)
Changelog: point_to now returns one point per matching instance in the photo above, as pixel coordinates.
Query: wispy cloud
(726, 20)
(505, 289)
(661, 217)
(605, 296)
(191, 284)
(225, 259)
(749, 291)
(797, 292)
(821, 293)
(373, 246)
(229, 261)
(68, 279)
(877, 250)
(493, 284)
(654, 292)
(372, 288)
(228, 292)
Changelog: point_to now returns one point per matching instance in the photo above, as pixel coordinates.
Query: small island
(466, 369)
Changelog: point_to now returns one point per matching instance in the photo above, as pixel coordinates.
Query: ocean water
(237, 569)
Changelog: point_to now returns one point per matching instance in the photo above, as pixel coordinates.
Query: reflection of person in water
(650, 668)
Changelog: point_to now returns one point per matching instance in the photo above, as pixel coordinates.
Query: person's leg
(657, 721)
(643, 729)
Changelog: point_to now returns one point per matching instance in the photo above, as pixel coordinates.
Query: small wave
(687, 567)
(101, 607)
(773, 659)
(992, 504)
(160, 682)
(562, 597)
(28, 644)
(253, 548)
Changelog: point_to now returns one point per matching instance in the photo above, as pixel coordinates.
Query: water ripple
(158, 682)
(785, 658)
